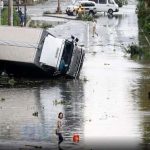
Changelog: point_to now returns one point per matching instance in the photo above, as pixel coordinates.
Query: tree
(10, 12)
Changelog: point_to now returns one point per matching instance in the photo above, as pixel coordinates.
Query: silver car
(88, 6)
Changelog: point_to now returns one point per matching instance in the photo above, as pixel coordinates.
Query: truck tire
(110, 11)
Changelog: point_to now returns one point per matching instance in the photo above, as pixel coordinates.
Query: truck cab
(64, 55)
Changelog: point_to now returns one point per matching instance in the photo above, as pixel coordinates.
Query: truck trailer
(37, 53)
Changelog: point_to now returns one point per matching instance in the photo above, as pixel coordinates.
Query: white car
(87, 6)
(108, 6)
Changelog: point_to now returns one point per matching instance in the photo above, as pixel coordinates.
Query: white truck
(37, 53)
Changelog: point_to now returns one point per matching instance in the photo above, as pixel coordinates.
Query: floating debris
(34, 146)
(35, 114)
(148, 95)
(60, 102)
(85, 79)
(106, 64)
(2, 99)
(11, 82)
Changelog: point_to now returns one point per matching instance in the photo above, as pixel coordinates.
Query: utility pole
(10, 12)
(58, 7)
(25, 12)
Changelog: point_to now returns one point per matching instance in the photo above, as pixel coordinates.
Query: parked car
(108, 6)
(86, 6)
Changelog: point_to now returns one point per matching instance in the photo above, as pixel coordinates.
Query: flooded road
(108, 106)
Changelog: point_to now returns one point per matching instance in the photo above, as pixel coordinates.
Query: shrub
(86, 17)
(134, 49)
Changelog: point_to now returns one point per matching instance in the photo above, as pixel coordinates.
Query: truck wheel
(110, 11)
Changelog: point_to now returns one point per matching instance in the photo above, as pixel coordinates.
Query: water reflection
(18, 123)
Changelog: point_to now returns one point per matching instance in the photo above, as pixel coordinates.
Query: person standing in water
(94, 28)
(59, 128)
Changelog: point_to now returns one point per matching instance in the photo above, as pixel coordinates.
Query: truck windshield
(66, 56)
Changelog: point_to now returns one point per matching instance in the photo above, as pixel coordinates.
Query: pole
(10, 12)
(25, 12)
(58, 7)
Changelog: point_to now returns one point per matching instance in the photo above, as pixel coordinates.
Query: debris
(60, 102)
(38, 147)
(2, 99)
(11, 82)
(85, 79)
(35, 114)
(148, 95)
(106, 64)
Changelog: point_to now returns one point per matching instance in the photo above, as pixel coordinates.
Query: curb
(62, 17)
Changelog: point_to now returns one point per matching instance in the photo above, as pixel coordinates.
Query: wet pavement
(108, 106)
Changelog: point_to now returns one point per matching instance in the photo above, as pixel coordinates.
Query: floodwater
(108, 106)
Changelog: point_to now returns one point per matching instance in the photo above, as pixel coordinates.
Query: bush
(134, 49)
(86, 17)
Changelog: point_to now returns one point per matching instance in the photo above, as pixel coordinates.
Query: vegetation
(138, 52)
(4, 19)
(143, 11)
(134, 50)
(85, 17)
(144, 15)
(121, 2)
(43, 25)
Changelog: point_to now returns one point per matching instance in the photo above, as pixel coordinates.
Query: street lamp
(25, 12)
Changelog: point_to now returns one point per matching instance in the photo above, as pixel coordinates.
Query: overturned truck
(37, 53)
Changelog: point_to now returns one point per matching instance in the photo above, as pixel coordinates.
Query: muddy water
(108, 107)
